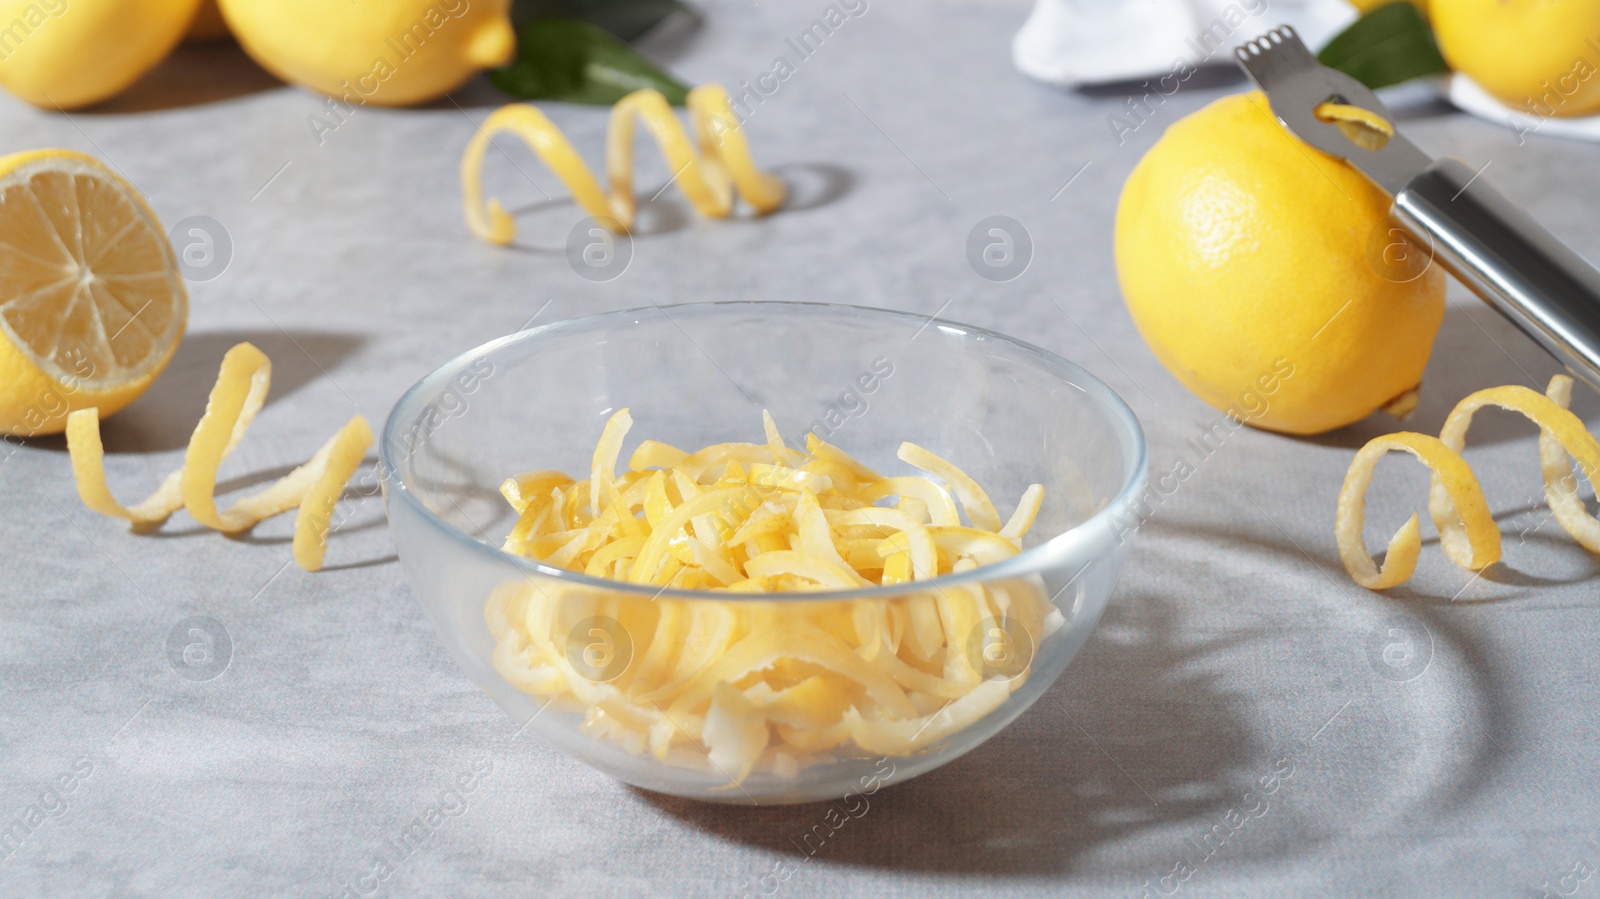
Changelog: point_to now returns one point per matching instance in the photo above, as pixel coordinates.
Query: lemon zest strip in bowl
(1468, 533)
(980, 511)
(313, 489)
(709, 170)
(752, 685)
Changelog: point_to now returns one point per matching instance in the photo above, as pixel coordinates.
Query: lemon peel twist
(241, 388)
(1467, 532)
(1562, 439)
(1466, 529)
(709, 170)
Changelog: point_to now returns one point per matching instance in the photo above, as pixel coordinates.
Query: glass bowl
(549, 644)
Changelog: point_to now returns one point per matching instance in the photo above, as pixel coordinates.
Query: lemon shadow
(1075, 771)
(164, 418)
(1476, 348)
(193, 75)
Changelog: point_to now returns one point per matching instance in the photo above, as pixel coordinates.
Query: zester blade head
(1296, 84)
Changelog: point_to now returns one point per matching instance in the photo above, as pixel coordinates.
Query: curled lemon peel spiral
(709, 170)
(313, 489)
(1466, 524)
(1556, 456)
(1562, 439)
(1467, 532)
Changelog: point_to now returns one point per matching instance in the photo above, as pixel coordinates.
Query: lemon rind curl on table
(1467, 531)
(313, 489)
(709, 170)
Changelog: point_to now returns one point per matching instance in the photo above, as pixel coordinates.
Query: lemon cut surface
(92, 305)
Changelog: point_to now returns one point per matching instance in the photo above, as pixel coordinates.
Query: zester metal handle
(1507, 258)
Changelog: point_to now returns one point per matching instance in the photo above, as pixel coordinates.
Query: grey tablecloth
(1245, 719)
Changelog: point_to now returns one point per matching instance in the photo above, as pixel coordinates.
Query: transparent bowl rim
(1028, 561)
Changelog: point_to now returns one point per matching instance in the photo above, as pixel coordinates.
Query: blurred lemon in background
(391, 53)
(1366, 6)
(1529, 54)
(1266, 276)
(91, 302)
(63, 54)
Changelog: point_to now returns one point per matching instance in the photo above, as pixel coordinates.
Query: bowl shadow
(1076, 770)
(1482, 686)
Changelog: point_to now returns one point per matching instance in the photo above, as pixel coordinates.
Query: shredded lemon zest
(1467, 532)
(603, 470)
(1362, 126)
(769, 686)
(523, 489)
(1022, 518)
(709, 170)
(313, 489)
(980, 511)
(652, 454)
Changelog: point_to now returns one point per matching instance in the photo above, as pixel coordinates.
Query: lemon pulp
(91, 302)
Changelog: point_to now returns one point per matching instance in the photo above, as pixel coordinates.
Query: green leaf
(1388, 45)
(627, 20)
(563, 59)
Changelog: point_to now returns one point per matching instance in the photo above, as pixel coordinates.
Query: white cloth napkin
(1073, 43)
(1080, 42)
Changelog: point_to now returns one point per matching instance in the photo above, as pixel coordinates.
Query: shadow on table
(810, 185)
(1477, 700)
(544, 227)
(1203, 78)
(1541, 529)
(360, 508)
(164, 418)
(194, 75)
(1505, 572)
(1129, 739)
(1483, 698)
(1476, 348)
(1137, 736)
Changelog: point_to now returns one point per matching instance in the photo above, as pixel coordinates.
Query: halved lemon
(92, 305)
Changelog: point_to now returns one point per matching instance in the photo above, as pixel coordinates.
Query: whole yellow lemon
(1266, 276)
(390, 53)
(1538, 55)
(63, 54)
(1366, 6)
